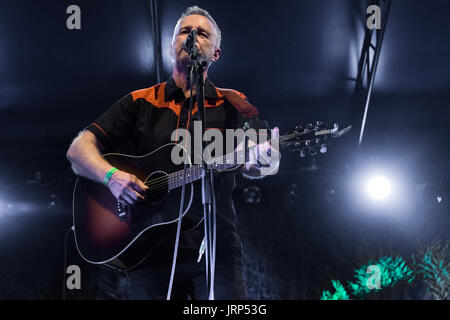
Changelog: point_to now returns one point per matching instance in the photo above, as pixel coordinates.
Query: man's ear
(216, 55)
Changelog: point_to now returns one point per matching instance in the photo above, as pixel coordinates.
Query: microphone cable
(177, 237)
(72, 228)
(180, 213)
(212, 261)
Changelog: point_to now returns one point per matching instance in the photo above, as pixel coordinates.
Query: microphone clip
(190, 47)
(189, 44)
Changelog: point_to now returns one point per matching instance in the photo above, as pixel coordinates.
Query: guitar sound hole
(158, 187)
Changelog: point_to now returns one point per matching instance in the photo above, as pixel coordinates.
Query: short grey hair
(201, 12)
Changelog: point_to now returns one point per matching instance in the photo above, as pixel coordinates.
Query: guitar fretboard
(222, 163)
(194, 173)
(226, 162)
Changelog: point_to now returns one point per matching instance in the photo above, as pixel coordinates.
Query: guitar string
(173, 178)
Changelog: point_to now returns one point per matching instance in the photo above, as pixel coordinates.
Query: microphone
(189, 44)
(190, 47)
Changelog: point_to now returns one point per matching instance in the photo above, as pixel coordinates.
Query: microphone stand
(208, 200)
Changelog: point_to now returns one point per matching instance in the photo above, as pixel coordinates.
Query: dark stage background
(297, 61)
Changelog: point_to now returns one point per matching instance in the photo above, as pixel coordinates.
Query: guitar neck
(228, 161)
(194, 173)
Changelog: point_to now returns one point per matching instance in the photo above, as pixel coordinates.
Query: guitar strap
(239, 102)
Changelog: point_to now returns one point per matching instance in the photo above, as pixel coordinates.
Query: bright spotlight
(379, 187)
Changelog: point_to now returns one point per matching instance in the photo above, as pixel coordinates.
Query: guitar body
(108, 233)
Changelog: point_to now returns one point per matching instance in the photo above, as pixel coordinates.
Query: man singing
(145, 120)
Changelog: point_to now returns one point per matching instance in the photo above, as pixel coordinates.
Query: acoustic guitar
(107, 232)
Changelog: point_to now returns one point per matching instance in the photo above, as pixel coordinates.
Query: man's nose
(197, 43)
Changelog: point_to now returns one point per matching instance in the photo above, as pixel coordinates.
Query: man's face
(206, 39)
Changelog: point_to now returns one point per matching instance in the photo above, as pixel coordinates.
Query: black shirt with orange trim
(144, 120)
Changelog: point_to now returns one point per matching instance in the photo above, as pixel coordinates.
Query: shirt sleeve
(238, 120)
(114, 128)
(243, 121)
(260, 126)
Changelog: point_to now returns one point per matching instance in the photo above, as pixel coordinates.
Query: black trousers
(151, 281)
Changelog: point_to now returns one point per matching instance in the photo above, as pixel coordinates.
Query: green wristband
(109, 175)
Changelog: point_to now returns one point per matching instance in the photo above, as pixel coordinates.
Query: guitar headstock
(311, 138)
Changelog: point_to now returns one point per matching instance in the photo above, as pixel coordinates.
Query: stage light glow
(383, 189)
(379, 187)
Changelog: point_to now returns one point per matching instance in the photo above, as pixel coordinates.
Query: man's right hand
(127, 188)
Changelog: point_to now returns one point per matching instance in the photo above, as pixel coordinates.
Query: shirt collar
(171, 90)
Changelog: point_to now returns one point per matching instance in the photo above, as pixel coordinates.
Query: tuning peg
(302, 153)
(323, 148)
(317, 141)
(318, 125)
(307, 142)
(312, 151)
